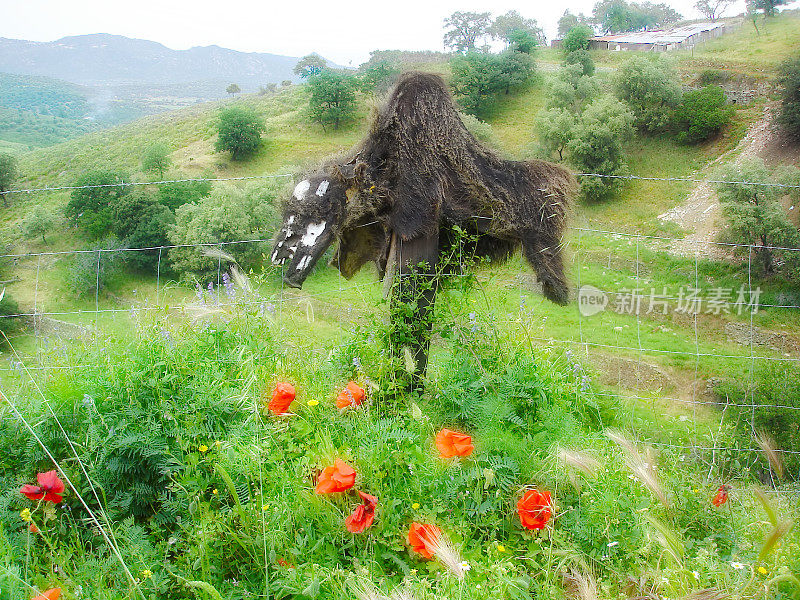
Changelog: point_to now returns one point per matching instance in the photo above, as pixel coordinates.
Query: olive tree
(227, 214)
(239, 131)
(38, 222)
(651, 89)
(753, 212)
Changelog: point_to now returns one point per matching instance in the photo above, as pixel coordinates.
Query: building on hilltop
(685, 36)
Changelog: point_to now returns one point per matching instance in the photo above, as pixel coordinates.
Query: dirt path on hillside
(701, 213)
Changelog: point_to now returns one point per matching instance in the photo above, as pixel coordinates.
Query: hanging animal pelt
(418, 173)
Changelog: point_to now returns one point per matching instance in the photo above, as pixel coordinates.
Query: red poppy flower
(423, 538)
(722, 495)
(535, 509)
(338, 478)
(282, 396)
(50, 488)
(363, 515)
(286, 564)
(451, 443)
(352, 395)
(51, 594)
(33, 528)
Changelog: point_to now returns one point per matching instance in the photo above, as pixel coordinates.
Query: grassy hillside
(38, 111)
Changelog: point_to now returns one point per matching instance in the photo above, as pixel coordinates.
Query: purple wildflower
(230, 287)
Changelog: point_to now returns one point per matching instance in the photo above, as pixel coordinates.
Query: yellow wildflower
(762, 570)
(415, 506)
(501, 548)
(202, 448)
(264, 506)
(312, 402)
(147, 573)
(215, 491)
(26, 515)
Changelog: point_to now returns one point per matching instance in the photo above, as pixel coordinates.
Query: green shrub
(774, 389)
(9, 322)
(702, 114)
(174, 195)
(582, 58)
(239, 132)
(577, 38)
(156, 159)
(140, 221)
(90, 207)
(227, 214)
(596, 147)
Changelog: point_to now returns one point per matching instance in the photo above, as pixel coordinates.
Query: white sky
(344, 31)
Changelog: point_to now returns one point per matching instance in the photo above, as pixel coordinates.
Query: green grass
(235, 515)
(748, 52)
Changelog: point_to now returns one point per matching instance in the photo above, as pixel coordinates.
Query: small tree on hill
(651, 89)
(464, 29)
(572, 90)
(233, 89)
(556, 129)
(789, 81)
(227, 214)
(583, 59)
(156, 159)
(240, 132)
(596, 147)
(713, 9)
(38, 222)
(522, 41)
(505, 25)
(310, 65)
(8, 173)
(769, 7)
(753, 213)
(377, 76)
(577, 38)
(333, 97)
(514, 70)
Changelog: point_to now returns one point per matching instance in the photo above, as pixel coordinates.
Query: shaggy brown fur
(420, 171)
(429, 171)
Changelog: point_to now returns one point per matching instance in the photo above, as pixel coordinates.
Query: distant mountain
(104, 59)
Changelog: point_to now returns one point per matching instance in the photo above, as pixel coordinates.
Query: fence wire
(635, 355)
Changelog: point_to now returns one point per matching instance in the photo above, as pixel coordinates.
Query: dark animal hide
(419, 172)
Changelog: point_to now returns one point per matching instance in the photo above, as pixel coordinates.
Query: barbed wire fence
(632, 355)
(599, 338)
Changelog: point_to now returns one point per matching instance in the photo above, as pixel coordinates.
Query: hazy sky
(344, 31)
